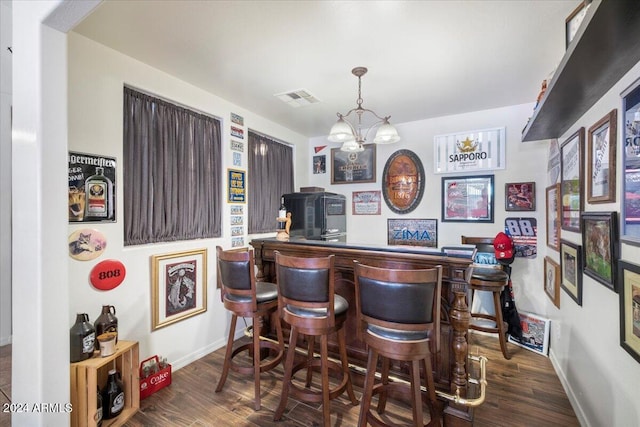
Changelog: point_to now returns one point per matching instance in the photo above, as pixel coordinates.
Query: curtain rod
(279, 141)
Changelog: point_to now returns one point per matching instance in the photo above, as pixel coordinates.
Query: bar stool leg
(502, 333)
(434, 406)
(342, 344)
(257, 320)
(324, 367)
(288, 368)
(368, 387)
(227, 356)
(311, 340)
(384, 376)
(416, 393)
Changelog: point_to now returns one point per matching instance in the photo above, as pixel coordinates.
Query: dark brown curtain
(172, 171)
(270, 175)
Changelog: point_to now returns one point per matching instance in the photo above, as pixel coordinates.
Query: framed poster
(630, 209)
(470, 151)
(319, 164)
(403, 181)
(600, 247)
(237, 186)
(535, 333)
(552, 280)
(571, 270)
(178, 286)
(554, 212)
(353, 168)
(413, 232)
(467, 199)
(520, 196)
(92, 187)
(571, 173)
(366, 202)
(630, 308)
(601, 159)
(573, 21)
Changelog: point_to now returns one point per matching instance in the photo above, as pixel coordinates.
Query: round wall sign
(107, 274)
(86, 244)
(403, 185)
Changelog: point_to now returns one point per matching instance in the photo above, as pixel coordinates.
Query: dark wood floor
(523, 391)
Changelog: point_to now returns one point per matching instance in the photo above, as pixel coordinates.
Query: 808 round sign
(107, 274)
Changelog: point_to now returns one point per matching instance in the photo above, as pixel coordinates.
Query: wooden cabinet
(89, 375)
(606, 46)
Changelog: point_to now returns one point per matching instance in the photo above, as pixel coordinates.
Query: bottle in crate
(82, 338)
(106, 322)
(112, 396)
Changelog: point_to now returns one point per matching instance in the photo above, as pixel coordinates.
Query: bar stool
(492, 280)
(308, 303)
(399, 319)
(245, 297)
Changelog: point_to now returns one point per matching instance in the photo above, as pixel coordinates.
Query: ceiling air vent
(297, 98)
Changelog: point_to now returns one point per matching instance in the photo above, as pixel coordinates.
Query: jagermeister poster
(92, 187)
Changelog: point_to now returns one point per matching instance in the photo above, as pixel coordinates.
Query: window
(172, 171)
(270, 175)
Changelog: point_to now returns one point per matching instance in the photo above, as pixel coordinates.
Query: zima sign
(470, 151)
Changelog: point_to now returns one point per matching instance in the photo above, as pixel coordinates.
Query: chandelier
(352, 137)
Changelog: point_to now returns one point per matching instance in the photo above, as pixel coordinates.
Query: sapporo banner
(92, 188)
(471, 151)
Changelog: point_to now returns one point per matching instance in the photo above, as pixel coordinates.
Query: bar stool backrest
(400, 299)
(235, 275)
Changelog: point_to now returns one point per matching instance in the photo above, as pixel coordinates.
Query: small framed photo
(630, 308)
(571, 270)
(554, 213)
(600, 246)
(467, 199)
(353, 168)
(552, 280)
(520, 196)
(178, 286)
(571, 173)
(413, 232)
(601, 159)
(573, 21)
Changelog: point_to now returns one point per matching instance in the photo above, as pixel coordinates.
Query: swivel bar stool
(399, 319)
(244, 297)
(492, 280)
(308, 303)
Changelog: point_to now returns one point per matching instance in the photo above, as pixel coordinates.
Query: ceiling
(425, 58)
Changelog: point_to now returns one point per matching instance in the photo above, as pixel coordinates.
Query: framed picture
(319, 164)
(520, 196)
(413, 232)
(535, 333)
(403, 181)
(554, 212)
(600, 246)
(353, 168)
(573, 21)
(552, 280)
(601, 159)
(475, 151)
(467, 199)
(630, 209)
(92, 188)
(571, 161)
(237, 186)
(571, 270)
(366, 202)
(178, 286)
(630, 308)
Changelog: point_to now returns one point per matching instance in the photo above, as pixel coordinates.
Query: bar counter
(450, 366)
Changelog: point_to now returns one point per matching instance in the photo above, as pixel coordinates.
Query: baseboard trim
(568, 390)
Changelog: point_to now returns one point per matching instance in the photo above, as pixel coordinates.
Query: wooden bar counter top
(450, 366)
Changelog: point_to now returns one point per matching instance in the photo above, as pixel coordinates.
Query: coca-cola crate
(90, 375)
(156, 380)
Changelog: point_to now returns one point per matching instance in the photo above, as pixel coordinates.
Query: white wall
(96, 78)
(585, 341)
(5, 173)
(418, 137)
